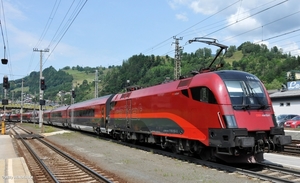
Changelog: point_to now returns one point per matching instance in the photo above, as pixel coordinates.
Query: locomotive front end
(248, 123)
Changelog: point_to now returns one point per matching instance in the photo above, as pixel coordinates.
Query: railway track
(263, 172)
(49, 164)
(292, 149)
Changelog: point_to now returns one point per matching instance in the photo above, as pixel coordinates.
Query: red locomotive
(230, 118)
(224, 115)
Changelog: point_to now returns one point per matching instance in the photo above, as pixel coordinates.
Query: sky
(94, 33)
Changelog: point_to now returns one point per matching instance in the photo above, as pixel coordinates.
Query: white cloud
(206, 7)
(12, 11)
(182, 16)
(291, 47)
(242, 22)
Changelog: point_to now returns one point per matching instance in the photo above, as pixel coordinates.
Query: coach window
(203, 94)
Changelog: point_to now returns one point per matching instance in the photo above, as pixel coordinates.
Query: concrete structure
(286, 102)
(12, 168)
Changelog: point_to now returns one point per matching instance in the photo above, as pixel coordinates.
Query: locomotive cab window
(203, 94)
(246, 94)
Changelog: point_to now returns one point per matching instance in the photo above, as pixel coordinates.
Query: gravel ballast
(136, 166)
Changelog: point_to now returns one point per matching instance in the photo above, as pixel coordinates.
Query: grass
(236, 56)
(48, 129)
(25, 89)
(79, 76)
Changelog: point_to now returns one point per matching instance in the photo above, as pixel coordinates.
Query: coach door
(128, 113)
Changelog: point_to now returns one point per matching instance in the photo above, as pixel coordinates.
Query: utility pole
(177, 59)
(41, 91)
(22, 103)
(96, 84)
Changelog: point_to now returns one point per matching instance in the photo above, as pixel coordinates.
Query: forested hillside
(269, 64)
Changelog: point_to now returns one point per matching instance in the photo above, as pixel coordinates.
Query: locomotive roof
(94, 101)
(233, 74)
(152, 90)
(182, 83)
(60, 108)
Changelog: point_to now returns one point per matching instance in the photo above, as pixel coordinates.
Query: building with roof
(287, 100)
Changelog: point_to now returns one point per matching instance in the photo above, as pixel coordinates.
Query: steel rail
(82, 166)
(37, 159)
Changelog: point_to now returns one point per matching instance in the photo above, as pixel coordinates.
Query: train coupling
(282, 139)
(243, 142)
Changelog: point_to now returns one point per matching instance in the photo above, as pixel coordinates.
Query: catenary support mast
(177, 59)
(41, 91)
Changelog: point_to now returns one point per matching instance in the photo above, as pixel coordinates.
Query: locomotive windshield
(246, 94)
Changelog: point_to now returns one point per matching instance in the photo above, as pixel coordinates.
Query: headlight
(294, 123)
(230, 121)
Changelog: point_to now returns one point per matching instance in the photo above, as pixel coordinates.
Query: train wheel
(97, 130)
(175, 149)
(123, 136)
(204, 155)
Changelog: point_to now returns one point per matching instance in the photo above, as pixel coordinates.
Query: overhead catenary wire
(49, 22)
(245, 18)
(63, 28)
(154, 47)
(167, 41)
(223, 22)
(269, 23)
(3, 39)
(46, 28)
(186, 33)
(6, 45)
(69, 25)
(56, 35)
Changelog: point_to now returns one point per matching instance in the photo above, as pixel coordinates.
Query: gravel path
(137, 166)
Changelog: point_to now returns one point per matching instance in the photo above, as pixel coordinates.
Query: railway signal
(5, 82)
(43, 86)
(42, 102)
(5, 86)
(73, 94)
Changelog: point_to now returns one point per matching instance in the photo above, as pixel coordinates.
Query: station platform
(13, 169)
(295, 134)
